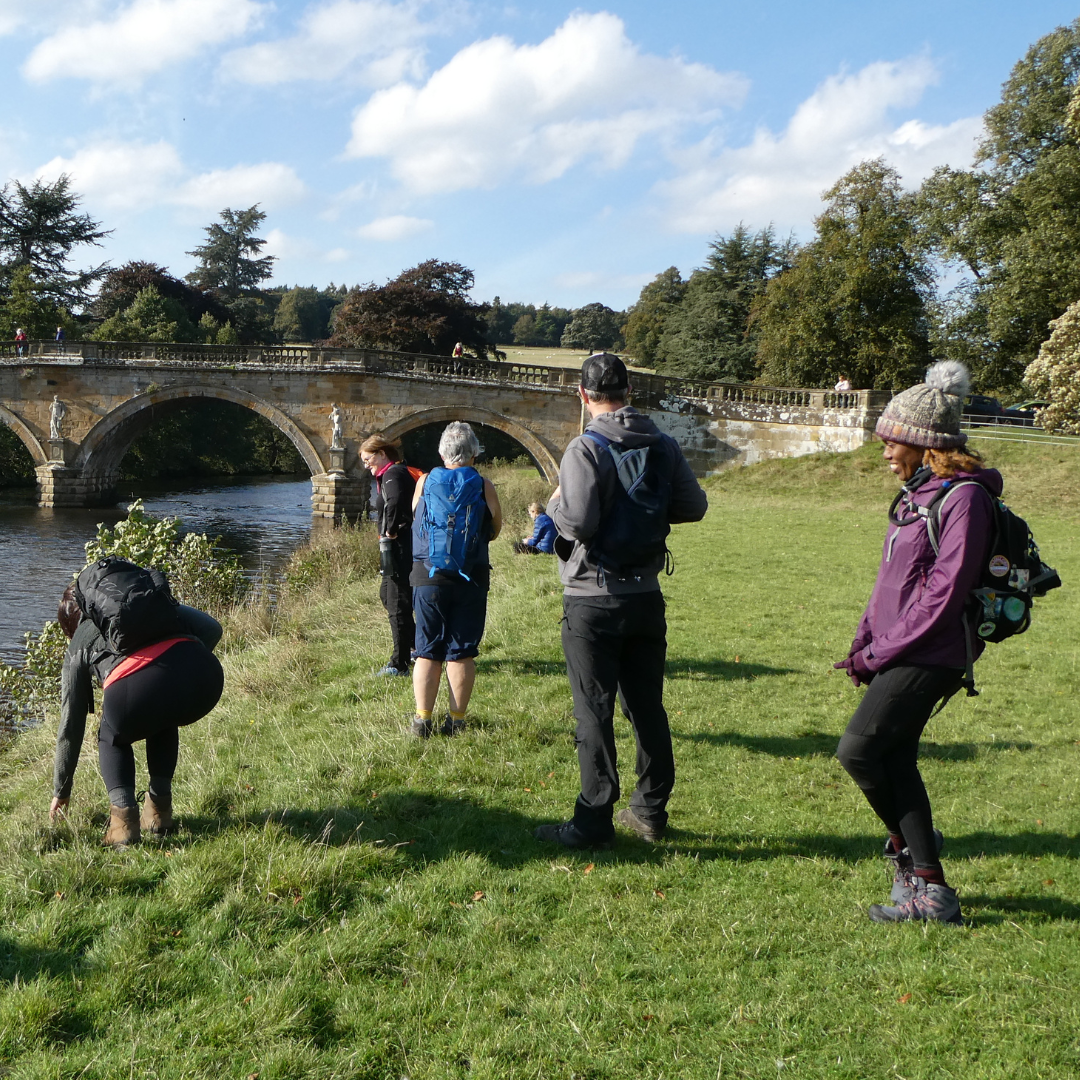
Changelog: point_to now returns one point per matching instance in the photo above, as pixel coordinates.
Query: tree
(646, 320)
(425, 309)
(1013, 224)
(30, 305)
(1055, 373)
(121, 286)
(150, 317)
(304, 314)
(854, 302)
(229, 261)
(594, 326)
(39, 229)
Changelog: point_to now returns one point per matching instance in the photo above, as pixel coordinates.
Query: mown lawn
(343, 901)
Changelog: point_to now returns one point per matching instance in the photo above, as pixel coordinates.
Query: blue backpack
(454, 515)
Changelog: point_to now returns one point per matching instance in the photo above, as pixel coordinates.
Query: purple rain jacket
(915, 611)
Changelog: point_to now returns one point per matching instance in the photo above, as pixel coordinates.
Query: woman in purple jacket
(912, 645)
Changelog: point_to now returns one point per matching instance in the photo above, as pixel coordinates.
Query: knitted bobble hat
(928, 414)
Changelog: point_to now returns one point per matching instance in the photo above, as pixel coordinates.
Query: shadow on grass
(712, 669)
(822, 744)
(996, 910)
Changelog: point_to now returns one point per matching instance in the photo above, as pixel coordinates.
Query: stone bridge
(113, 391)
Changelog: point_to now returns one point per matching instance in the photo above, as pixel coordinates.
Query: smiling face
(904, 461)
(373, 462)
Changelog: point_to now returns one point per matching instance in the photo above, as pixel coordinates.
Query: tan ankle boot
(123, 827)
(156, 816)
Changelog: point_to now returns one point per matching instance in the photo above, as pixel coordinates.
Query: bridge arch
(27, 437)
(444, 414)
(105, 445)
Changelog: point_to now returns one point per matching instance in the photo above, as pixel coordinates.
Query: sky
(564, 154)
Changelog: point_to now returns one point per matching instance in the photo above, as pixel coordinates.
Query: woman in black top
(395, 484)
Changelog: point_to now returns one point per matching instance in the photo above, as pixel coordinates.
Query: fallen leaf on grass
(1048, 881)
(529, 790)
(647, 1017)
(904, 999)
(59, 895)
(1038, 821)
(177, 933)
(659, 894)
(454, 903)
(247, 1000)
(589, 869)
(478, 895)
(550, 775)
(252, 1076)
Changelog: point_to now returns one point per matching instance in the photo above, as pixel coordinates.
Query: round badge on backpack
(1013, 609)
(999, 565)
(986, 629)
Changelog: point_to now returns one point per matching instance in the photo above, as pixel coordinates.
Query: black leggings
(880, 750)
(178, 688)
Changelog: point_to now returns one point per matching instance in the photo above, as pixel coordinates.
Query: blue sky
(565, 154)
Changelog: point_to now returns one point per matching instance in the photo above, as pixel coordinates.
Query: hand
(58, 808)
(855, 667)
(556, 494)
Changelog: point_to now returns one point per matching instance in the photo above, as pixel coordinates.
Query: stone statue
(337, 428)
(57, 412)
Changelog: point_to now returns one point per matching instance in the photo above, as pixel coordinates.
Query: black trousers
(880, 750)
(396, 597)
(152, 704)
(615, 647)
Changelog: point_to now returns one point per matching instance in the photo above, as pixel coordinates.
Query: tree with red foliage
(425, 309)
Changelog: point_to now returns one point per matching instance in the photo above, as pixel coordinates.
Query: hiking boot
(451, 727)
(420, 727)
(932, 903)
(645, 829)
(123, 827)
(906, 883)
(157, 816)
(570, 836)
(390, 669)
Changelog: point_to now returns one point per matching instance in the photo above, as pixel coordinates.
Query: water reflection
(263, 519)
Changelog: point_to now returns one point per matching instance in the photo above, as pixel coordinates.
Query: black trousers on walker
(880, 750)
(152, 704)
(615, 647)
(396, 597)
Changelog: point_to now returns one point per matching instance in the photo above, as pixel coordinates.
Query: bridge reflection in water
(113, 391)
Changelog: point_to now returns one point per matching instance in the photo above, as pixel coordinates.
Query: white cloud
(846, 120)
(373, 42)
(291, 249)
(394, 227)
(131, 177)
(498, 110)
(139, 39)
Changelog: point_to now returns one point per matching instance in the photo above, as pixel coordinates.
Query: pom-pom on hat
(928, 414)
(604, 373)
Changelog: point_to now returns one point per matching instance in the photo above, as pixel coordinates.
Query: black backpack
(130, 605)
(1013, 575)
(634, 533)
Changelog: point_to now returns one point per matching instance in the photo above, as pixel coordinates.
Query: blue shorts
(449, 620)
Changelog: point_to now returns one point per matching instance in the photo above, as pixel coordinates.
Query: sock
(423, 714)
(932, 875)
(897, 842)
(123, 797)
(457, 715)
(161, 789)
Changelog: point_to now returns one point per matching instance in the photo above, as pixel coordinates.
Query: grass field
(343, 901)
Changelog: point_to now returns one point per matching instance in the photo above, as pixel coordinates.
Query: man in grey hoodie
(613, 629)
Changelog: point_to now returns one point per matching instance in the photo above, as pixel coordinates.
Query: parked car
(1023, 412)
(980, 405)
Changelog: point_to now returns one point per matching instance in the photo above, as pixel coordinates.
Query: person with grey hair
(456, 513)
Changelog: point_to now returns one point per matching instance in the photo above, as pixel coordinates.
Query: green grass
(343, 901)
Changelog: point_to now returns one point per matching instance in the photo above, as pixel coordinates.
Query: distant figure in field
(542, 539)
(843, 385)
(456, 513)
(148, 694)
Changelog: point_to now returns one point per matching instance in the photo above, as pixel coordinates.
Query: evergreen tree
(229, 261)
(647, 319)
(594, 326)
(854, 302)
(30, 304)
(151, 317)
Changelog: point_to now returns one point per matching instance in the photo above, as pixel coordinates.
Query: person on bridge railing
(21, 342)
(394, 484)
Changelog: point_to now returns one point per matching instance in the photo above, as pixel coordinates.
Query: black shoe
(420, 727)
(570, 836)
(645, 829)
(451, 727)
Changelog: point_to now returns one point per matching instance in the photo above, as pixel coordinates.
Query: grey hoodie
(588, 485)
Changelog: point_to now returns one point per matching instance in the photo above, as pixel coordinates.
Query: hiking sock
(161, 789)
(457, 715)
(423, 714)
(897, 842)
(123, 797)
(931, 875)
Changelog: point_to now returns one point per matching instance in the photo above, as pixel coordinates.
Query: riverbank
(343, 901)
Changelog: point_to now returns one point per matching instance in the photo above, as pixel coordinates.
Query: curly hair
(69, 614)
(955, 459)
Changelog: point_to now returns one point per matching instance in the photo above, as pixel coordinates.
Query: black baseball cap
(605, 373)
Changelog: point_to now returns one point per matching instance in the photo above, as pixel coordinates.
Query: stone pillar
(63, 485)
(338, 496)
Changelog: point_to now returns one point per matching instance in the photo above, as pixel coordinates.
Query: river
(262, 519)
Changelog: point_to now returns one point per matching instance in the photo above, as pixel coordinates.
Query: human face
(904, 460)
(373, 462)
